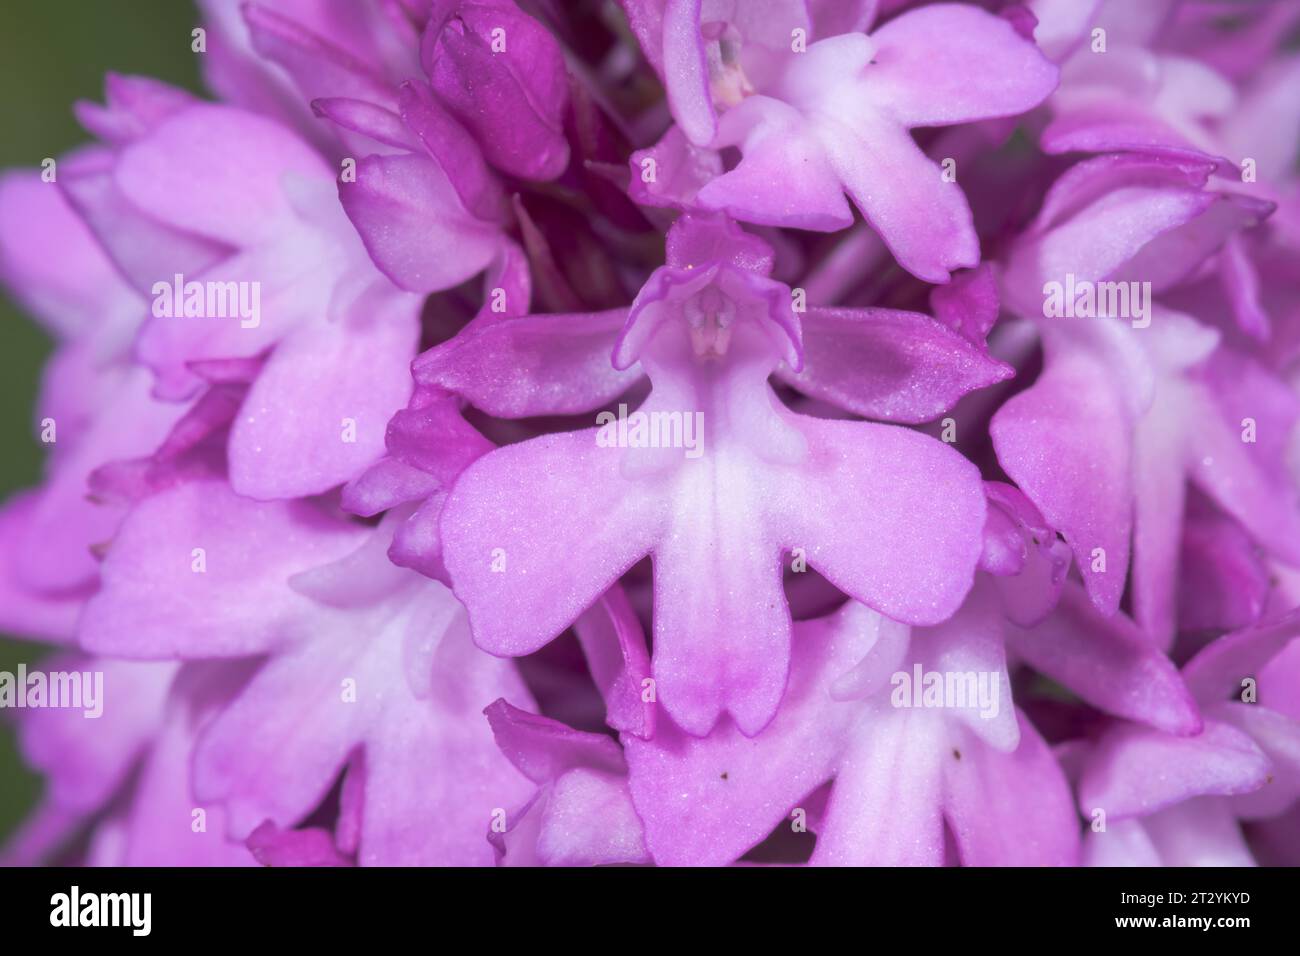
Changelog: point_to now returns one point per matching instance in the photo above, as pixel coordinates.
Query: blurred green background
(53, 52)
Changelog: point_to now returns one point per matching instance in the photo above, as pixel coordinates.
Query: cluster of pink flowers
(675, 431)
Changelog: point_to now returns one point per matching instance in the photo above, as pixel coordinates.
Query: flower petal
(200, 554)
(413, 224)
(614, 645)
(514, 98)
(932, 67)
(1108, 662)
(785, 178)
(1011, 809)
(705, 801)
(889, 365)
(294, 437)
(217, 171)
(531, 365)
(898, 522)
(504, 512)
(1136, 771)
(1066, 442)
(885, 807)
(923, 218)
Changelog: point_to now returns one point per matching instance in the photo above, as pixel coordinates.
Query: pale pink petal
(932, 67)
(503, 513)
(885, 808)
(316, 415)
(238, 603)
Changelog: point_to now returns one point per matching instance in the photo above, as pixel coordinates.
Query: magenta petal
(969, 303)
(1249, 480)
(722, 626)
(890, 365)
(1150, 217)
(1122, 843)
(432, 811)
(696, 240)
(234, 71)
(681, 57)
(176, 350)
(516, 844)
(263, 761)
(1116, 127)
(1136, 771)
(1108, 662)
(531, 365)
(307, 847)
(387, 484)
(1066, 442)
(195, 448)
(832, 17)
(160, 827)
(1277, 676)
(1028, 560)
(1217, 672)
(881, 491)
(23, 610)
(49, 260)
(589, 820)
(133, 106)
(86, 765)
(1241, 283)
(1011, 809)
(662, 297)
(1224, 580)
(542, 749)
(416, 542)
(1279, 737)
(1006, 549)
(614, 645)
(416, 696)
(330, 62)
(433, 436)
(382, 125)
(705, 801)
(140, 245)
(1176, 255)
(971, 642)
(513, 99)
(453, 150)
(413, 224)
(357, 579)
(672, 171)
(1198, 832)
(66, 522)
(1160, 492)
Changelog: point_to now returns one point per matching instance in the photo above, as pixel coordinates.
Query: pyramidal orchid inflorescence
(678, 432)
